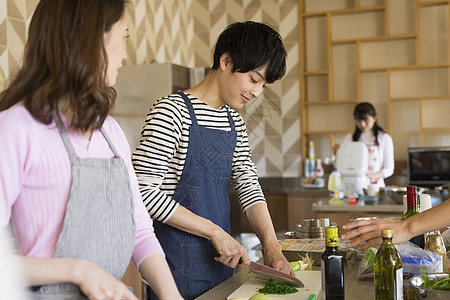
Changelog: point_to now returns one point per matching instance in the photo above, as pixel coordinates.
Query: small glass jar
(435, 243)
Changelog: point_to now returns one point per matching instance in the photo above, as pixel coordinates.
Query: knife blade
(280, 277)
(268, 272)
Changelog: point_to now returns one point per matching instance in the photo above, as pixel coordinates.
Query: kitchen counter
(354, 289)
(342, 214)
(323, 206)
(288, 202)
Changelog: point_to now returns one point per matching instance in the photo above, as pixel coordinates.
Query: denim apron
(99, 220)
(202, 189)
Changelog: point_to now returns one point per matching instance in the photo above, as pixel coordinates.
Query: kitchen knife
(268, 272)
(216, 254)
(278, 276)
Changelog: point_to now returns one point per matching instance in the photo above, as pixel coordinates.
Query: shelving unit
(394, 54)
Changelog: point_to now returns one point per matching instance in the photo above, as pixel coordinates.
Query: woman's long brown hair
(65, 59)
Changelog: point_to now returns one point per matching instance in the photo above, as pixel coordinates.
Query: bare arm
(229, 249)
(370, 231)
(155, 270)
(92, 280)
(259, 218)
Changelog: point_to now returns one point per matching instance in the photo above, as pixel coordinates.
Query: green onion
(272, 287)
(439, 283)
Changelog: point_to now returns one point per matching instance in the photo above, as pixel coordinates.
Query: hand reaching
(367, 233)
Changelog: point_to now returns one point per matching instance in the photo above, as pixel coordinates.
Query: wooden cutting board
(311, 280)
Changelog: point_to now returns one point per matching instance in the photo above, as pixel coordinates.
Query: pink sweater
(35, 181)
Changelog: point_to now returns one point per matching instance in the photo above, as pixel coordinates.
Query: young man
(192, 145)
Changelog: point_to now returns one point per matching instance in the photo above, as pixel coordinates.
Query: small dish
(370, 200)
(422, 293)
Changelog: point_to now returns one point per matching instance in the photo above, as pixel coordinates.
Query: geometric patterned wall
(184, 32)
(14, 19)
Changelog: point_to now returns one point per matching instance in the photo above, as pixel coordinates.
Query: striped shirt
(160, 157)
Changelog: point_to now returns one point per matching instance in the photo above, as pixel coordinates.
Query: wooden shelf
(328, 132)
(421, 35)
(436, 128)
(347, 11)
(401, 68)
(333, 102)
(315, 73)
(414, 67)
(376, 39)
(433, 3)
(433, 97)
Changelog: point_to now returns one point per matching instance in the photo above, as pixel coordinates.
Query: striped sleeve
(244, 176)
(160, 138)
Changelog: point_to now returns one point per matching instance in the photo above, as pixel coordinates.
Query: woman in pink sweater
(67, 185)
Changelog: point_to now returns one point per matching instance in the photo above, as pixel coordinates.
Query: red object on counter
(352, 200)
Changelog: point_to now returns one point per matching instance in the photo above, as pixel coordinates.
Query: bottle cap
(387, 233)
(331, 236)
(411, 189)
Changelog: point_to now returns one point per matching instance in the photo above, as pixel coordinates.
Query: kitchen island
(342, 214)
(354, 289)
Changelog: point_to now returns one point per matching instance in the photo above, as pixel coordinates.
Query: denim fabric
(203, 189)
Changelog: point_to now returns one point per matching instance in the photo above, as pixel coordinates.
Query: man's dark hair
(252, 45)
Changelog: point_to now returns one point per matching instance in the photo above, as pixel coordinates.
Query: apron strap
(65, 137)
(192, 113)
(230, 119)
(111, 145)
(189, 107)
(68, 143)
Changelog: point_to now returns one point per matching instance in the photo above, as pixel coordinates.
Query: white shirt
(385, 151)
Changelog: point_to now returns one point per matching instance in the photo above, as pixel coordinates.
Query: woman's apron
(99, 221)
(374, 163)
(202, 189)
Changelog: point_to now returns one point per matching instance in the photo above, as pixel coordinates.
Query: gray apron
(99, 221)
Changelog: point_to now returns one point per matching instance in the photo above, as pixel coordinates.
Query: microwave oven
(428, 166)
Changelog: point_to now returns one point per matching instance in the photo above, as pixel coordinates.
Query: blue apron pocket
(197, 260)
(188, 195)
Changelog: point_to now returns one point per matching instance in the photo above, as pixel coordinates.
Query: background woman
(67, 184)
(378, 142)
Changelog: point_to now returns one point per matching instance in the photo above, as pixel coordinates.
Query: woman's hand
(229, 249)
(98, 284)
(375, 176)
(367, 233)
(93, 281)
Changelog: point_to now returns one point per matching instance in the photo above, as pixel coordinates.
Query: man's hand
(230, 252)
(274, 258)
